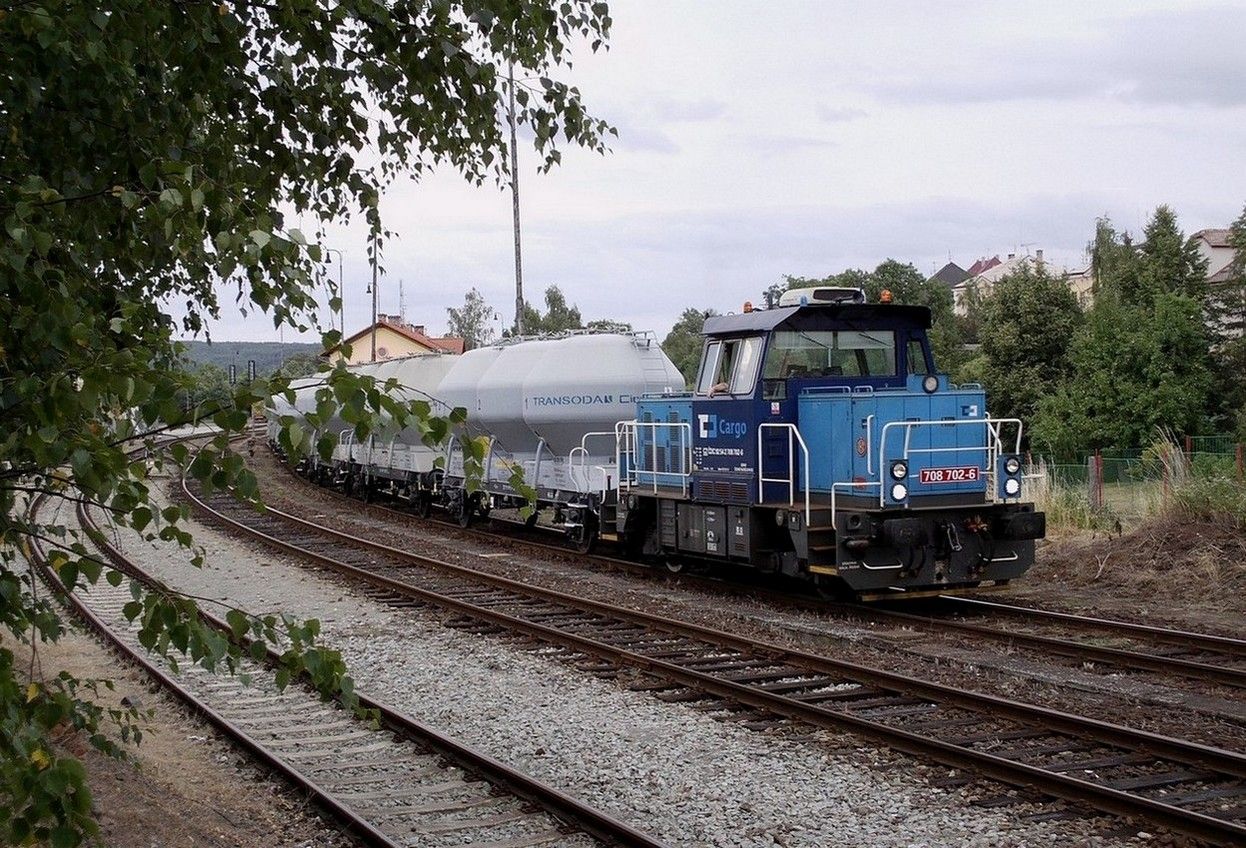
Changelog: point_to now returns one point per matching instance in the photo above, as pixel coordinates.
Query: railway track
(1218, 660)
(1190, 788)
(391, 784)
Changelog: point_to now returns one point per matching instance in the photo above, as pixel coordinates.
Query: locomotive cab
(819, 441)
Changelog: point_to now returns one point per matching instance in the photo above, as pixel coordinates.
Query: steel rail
(1185, 638)
(1052, 783)
(563, 806)
(560, 805)
(1121, 657)
(1116, 657)
(341, 811)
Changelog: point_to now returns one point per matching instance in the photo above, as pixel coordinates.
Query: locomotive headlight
(1012, 465)
(899, 492)
(930, 384)
(1012, 487)
(899, 470)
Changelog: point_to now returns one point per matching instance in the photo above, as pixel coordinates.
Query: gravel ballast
(671, 770)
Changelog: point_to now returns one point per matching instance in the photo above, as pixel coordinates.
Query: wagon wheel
(585, 537)
(531, 520)
(673, 564)
(423, 505)
(464, 513)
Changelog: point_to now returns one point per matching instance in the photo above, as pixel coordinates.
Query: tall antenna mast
(402, 303)
(510, 75)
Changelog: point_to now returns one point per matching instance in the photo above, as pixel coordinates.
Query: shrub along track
(387, 782)
(1188, 787)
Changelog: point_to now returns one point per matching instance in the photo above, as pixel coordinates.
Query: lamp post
(341, 293)
(515, 205)
(373, 290)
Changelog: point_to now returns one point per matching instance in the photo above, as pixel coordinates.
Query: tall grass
(1067, 506)
(1214, 499)
(1205, 489)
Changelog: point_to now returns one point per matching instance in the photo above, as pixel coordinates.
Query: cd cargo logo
(711, 427)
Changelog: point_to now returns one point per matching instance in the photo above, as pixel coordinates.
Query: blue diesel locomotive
(820, 441)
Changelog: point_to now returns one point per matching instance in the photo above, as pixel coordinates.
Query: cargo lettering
(711, 427)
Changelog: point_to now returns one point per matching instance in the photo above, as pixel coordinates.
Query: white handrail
(993, 448)
(851, 485)
(793, 438)
(869, 444)
(626, 445)
(581, 468)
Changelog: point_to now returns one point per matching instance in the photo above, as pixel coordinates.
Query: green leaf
(260, 238)
(238, 622)
(140, 517)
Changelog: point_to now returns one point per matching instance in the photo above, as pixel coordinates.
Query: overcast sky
(758, 139)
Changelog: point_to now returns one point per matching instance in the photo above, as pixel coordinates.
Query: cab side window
(730, 367)
(917, 357)
(709, 368)
(726, 364)
(748, 357)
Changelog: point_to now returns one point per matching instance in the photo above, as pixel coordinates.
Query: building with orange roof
(394, 338)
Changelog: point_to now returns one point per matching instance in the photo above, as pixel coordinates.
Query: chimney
(1012, 256)
(1039, 254)
(419, 328)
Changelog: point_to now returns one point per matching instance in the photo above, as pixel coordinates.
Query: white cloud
(803, 138)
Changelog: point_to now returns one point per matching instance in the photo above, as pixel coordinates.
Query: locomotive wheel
(828, 588)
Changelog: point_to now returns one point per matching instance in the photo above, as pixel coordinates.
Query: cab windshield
(831, 353)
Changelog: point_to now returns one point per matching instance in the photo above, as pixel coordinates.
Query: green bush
(1213, 465)
(1216, 498)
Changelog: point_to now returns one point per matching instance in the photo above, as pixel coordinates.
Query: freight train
(819, 441)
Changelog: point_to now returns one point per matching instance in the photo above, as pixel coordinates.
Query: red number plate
(964, 474)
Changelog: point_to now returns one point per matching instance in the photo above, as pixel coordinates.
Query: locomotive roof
(821, 317)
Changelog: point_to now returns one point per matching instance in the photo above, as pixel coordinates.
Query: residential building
(1226, 302)
(1213, 245)
(950, 274)
(985, 273)
(394, 338)
(1082, 284)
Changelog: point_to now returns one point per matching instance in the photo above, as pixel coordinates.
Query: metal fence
(1132, 482)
